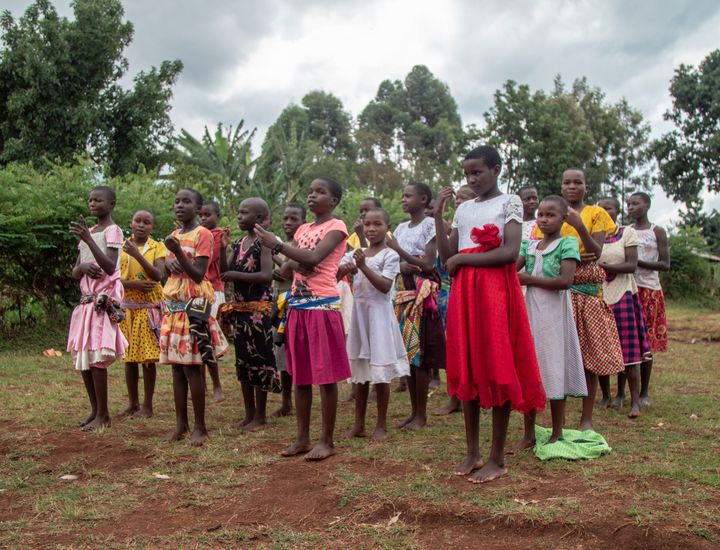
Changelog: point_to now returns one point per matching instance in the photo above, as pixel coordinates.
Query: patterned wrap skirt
(653, 304)
(630, 321)
(178, 344)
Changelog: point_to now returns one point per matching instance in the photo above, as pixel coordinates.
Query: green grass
(663, 474)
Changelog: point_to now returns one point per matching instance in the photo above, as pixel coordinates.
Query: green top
(566, 249)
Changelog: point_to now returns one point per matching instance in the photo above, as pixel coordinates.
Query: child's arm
(307, 258)
(520, 263)
(628, 266)
(425, 264)
(195, 269)
(106, 261)
(593, 243)
(447, 246)
(381, 283)
(264, 276)
(561, 282)
(89, 269)
(152, 270)
(224, 242)
(506, 253)
(663, 263)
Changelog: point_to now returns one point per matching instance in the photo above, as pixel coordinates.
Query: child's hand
(173, 245)
(359, 258)
(453, 264)
(225, 237)
(359, 226)
(91, 270)
(409, 269)
(574, 219)
(145, 286)
(445, 194)
(524, 278)
(392, 243)
(131, 249)
(267, 239)
(81, 230)
(174, 267)
(586, 257)
(346, 269)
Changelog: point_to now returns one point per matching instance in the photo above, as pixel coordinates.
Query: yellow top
(595, 219)
(131, 270)
(354, 241)
(194, 244)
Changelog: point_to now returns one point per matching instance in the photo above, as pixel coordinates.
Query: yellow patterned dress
(143, 310)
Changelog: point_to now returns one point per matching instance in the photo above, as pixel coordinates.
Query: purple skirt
(315, 349)
(631, 327)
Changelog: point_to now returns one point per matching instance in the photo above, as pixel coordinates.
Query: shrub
(691, 276)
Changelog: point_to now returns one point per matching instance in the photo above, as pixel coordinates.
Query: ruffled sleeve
(114, 237)
(569, 249)
(391, 265)
(428, 230)
(514, 209)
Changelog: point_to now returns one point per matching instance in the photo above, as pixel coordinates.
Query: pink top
(213, 269)
(322, 283)
(110, 237)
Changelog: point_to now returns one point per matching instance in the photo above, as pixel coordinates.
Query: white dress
(374, 344)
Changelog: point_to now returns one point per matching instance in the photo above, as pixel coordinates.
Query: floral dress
(248, 319)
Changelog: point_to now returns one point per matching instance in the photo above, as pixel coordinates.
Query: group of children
(427, 295)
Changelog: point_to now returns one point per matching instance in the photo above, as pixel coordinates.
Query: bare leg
(495, 468)
(435, 379)
(557, 411)
(90, 389)
(471, 414)
(180, 393)
(217, 387)
(589, 401)
(453, 406)
(325, 447)
(102, 418)
(528, 438)
(402, 385)
(196, 380)
(633, 376)
(382, 392)
(248, 402)
(604, 382)
(131, 381)
(645, 372)
(619, 401)
(285, 408)
(361, 401)
(259, 419)
(410, 384)
(421, 382)
(303, 405)
(149, 376)
(350, 396)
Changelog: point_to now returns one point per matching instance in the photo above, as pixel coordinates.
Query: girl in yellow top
(142, 262)
(595, 322)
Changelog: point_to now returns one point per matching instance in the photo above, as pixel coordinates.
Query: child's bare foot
(416, 423)
(489, 472)
(634, 411)
(604, 403)
(89, 419)
(144, 412)
(254, 426)
(401, 387)
(644, 402)
(297, 448)
(406, 421)
(468, 466)
(320, 451)
(281, 411)
(618, 402)
(130, 410)
(587, 425)
(357, 430)
(176, 435)
(198, 437)
(218, 396)
(97, 423)
(240, 424)
(554, 438)
(448, 409)
(524, 443)
(380, 434)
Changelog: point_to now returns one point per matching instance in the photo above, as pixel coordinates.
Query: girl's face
(550, 217)
(364, 207)
(209, 218)
(320, 200)
(186, 207)
(479, 177)
(529, 198)
(412, 200)
(375, 227)
(430, 209)
(142, 224)
(573, 186)
(247, 217)
(636, 207)
(99, 204)
(291, 220)
(610, 207)
(464, 194)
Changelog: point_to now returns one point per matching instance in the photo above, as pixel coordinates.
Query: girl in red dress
(491, 360)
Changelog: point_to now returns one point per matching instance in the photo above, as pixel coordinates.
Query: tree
(59, 90)
(688, 157)
(539, 135)
(329, 125)
(413, 128)
(225, 158)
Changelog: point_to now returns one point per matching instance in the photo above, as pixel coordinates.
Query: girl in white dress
(375, 345)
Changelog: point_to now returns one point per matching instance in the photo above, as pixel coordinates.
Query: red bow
(486, 238)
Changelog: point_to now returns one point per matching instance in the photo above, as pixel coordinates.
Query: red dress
(490, 351)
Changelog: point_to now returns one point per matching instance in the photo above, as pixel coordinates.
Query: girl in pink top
(314, 334)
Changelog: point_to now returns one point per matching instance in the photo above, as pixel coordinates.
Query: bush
(691, 277)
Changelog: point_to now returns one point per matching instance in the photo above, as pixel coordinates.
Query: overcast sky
(247, 60)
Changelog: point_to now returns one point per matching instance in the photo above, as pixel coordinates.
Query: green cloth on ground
(573, 445)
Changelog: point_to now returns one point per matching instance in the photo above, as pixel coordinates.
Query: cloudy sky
(248, 60)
